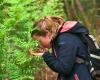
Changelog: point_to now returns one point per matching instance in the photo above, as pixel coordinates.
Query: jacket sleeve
(66, 57)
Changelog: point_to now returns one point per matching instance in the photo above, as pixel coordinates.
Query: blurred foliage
(85, 11)
(16, 20)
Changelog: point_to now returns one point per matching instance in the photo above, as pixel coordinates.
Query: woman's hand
(34, 53)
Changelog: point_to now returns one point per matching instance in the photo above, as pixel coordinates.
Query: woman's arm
(66, 57)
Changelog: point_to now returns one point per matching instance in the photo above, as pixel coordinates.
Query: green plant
(16, 20)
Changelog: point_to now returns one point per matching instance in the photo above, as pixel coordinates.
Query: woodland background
(16, 20)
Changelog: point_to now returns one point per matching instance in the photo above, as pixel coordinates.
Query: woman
(54, 32)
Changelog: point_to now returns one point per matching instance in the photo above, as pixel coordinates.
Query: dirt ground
(45, 74)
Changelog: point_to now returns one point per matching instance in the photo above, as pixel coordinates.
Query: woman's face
(44, 40)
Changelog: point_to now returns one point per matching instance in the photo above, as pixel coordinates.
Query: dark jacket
(66, 47)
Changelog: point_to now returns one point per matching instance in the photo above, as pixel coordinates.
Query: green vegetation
(16, 20)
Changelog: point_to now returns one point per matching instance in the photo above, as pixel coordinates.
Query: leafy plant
(16, 20)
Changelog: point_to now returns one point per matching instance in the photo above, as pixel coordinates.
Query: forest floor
(45, 73)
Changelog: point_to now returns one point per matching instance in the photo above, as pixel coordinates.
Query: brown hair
(50, 23)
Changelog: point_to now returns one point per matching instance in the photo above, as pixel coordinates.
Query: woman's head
(46, 28)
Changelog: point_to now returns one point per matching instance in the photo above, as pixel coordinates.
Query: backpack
(94, 54)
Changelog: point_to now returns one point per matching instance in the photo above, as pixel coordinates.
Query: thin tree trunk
(66, 6)
(94, 12)
(75, 17)
(86, 20)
